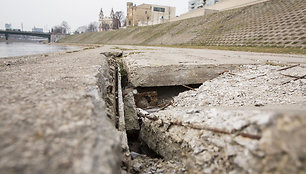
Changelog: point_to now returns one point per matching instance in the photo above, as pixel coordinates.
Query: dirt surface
(52, 117)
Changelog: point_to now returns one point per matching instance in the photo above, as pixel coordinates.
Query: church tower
(101, 17)
(108, 22)
(112, 16)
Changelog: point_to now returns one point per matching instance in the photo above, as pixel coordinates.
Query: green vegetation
(247, 49)
(89, 48)
(135, 52)
(74, 51)
(122, 70)
(123, 49)
(275, 64)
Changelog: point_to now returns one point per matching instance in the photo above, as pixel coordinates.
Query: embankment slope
(276, 23)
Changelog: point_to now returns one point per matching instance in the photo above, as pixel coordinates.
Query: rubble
(112, 54)
(244, 121)
(130, 114)
(251, 85)
(60, 115)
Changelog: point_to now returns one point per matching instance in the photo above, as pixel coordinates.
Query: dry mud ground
(248, 120)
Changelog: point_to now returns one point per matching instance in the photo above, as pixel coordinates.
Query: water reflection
(10, 49)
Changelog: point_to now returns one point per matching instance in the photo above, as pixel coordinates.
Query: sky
(48, 13)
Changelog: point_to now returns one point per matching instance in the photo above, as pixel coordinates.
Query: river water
(11, 49)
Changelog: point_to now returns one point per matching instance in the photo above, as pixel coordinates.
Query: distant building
(195, 4)
(8, 26)
(39, 30)
(211, 2)
(148, 14)
(108, 23)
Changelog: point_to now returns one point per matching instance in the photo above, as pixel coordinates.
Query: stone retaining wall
(277, 23)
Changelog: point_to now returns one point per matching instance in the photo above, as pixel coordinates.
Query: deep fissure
(155, 98)
(149, 99)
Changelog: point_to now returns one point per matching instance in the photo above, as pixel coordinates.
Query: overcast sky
(48, 13)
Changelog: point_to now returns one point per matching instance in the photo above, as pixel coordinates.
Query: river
(11, 49)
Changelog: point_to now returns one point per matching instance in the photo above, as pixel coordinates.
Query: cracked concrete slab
(52, 117)
(229, 140)
(244, 121)
(156, 66)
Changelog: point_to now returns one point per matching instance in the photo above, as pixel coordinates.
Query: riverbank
(17, 40)
(22, 47)
(268, 26)
(53, 118)
(247, 116)
(64, 112)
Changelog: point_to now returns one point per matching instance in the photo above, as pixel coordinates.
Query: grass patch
(88, 48)
(274, 64)
(247, 49)
(135, 52)
(122, 70)
(123, 49)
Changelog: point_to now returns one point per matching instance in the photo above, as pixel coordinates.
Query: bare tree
(58, 30)
(123, 22)
(66, 26)
(92, 27)
(82, 29)
(119, 15)
(105, 27)
(61, 29)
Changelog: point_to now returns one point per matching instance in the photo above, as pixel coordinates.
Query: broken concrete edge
(107, 77)
(112, 54)
(255, 141)
(109, 85)
(131, 118)
(126, 157)
(110, 160)
(173, 75)
(121, 123)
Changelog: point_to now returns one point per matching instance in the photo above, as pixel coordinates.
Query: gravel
(250, 85)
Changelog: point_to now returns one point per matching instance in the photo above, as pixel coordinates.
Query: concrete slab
(229, 140)
(250, 120)
(156, 66)
(52, 117)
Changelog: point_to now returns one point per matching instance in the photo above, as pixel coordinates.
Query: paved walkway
(51, 117)
(158, 66)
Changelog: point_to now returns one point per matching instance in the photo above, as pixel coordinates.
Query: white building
(8, 26)
(39, 30)
(196, 4)
(108, 23)
(148, 14)
(211, 2)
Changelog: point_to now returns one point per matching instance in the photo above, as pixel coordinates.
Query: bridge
(25, 33)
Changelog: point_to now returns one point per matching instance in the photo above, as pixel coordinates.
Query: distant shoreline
(19, 40)
(18, 48)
